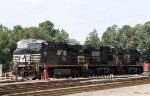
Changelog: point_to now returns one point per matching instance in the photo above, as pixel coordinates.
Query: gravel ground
(140, 90)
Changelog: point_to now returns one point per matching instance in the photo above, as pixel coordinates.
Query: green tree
(124, 36)
(17, 33)
(37, 33)
(144, 41)
(109, 37)
(62, 36)
(92, 39)
(48, 27)
(4, 48)
(74, 41)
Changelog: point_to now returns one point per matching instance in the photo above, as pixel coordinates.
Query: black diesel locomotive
(66, 60)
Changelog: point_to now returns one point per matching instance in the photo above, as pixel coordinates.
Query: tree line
(125, 37)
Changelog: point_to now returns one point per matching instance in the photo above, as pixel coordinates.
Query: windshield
(35, 45)
(22, 45)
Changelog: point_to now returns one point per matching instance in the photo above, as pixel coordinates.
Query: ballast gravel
(139, 90)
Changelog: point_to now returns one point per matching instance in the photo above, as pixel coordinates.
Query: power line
(104, 20)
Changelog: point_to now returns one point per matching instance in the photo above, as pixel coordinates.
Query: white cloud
(68, 14)
(147, 17)
(35, 2)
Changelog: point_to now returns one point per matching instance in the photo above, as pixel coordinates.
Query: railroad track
(66, 87)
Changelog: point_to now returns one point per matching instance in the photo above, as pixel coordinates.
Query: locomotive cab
(27, 56)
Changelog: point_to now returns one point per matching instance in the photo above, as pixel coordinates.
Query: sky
(77, 17)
